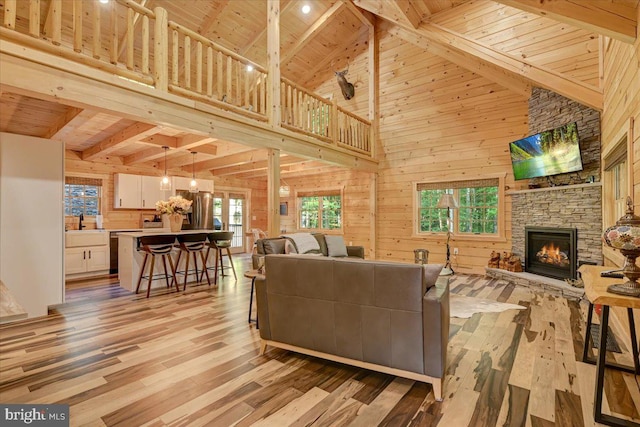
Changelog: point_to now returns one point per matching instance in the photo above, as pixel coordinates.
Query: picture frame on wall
(284, 208)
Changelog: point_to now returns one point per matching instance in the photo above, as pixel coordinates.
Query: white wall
(32, 220)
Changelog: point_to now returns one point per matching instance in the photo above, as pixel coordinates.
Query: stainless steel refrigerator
(200, 216)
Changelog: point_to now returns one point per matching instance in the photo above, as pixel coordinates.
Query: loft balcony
(145, 46)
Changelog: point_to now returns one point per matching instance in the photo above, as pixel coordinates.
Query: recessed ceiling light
(249, 67)
(104, 1)
(306, 9)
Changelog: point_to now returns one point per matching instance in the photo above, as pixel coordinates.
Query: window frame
(99, 197)
(499, 236)
(617, 174)
(299, 194)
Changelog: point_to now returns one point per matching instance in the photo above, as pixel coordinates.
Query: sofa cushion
(323, 244)
(336, 246)
(273, 246)
(290, 247)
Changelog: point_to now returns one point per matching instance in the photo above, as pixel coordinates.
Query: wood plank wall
(622, 102)
(355, 189)
(132, 218)
(438, 122)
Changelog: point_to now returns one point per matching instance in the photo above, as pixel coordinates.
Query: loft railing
(143, 45)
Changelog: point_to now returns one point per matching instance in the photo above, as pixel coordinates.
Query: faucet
(80, 226)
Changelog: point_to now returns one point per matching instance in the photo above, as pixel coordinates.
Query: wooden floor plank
(190, 359)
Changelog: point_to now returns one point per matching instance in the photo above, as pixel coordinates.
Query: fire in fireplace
(551, 252)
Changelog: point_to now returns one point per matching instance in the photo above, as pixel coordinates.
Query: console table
(596, 290)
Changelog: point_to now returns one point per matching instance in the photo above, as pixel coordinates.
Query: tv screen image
(547, 153)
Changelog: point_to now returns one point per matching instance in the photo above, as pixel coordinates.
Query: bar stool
(156, 245)
(191, 244)
(218, 241)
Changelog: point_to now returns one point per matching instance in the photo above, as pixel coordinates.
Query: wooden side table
(253, 275)
(596, 290)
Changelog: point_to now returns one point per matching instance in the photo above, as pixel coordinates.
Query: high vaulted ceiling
(517, 43)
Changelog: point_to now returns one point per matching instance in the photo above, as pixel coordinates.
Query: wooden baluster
(175, 57)
(130, 36)
(228, 90)
(55, 9)
(34, 18)
(113, 54)
(209, 71)
(247, 75)
(161, 51)
(239, 73)
(77, 26)
(10, 13)
(334, 121)
(289, 105)
(145, 44)
(263, 94)
(199, 67)
(97, 44)
(283, 103)
(187, 62)
(254, 85)
(220, 76)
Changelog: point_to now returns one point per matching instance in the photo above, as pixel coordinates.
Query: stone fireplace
(551, 251)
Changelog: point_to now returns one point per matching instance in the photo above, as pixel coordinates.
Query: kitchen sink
(79, 238)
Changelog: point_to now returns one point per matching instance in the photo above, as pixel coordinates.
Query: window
(320, 211)
(616, 182)
(82, 196)
(478, 213)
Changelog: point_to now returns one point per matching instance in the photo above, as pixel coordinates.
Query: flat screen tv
(547, 153)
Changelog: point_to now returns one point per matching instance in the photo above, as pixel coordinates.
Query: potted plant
(174, 209)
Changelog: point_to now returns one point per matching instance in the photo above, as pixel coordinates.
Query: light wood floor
(191, 359)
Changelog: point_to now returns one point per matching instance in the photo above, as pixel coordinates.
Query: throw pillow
(289, 247)
(336, 246)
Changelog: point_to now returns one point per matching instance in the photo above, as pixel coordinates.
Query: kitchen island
(130, 259)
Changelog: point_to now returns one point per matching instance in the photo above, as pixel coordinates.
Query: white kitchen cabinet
(127, 191)
(137, 191)
(180, 183)
(205, 185)
(150, 191)
(86, 259)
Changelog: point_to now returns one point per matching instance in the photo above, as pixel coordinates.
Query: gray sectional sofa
(383, 316)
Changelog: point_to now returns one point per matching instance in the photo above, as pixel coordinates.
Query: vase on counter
(175, 222)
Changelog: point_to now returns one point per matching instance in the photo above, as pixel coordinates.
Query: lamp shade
(447, 201)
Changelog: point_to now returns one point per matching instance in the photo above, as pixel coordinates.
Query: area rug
(464, 307)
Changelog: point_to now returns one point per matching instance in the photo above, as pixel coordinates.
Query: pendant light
(193, 185)
(165, 183)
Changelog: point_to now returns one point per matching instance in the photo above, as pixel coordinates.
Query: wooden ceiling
(560, 42)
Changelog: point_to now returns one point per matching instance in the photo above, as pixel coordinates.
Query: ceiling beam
(69, 122)
(232, 160)
(315, 28)
(617, 20)
(159, 140)
(189, 142)
(143, 156)
(133, 133)
(398, 11)
(253, 166)
(365, 17)
(481, 58)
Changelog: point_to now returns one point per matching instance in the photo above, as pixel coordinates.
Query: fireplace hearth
(551, 252)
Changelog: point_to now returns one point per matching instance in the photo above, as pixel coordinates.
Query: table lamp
(625, 236)
(449, 202)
